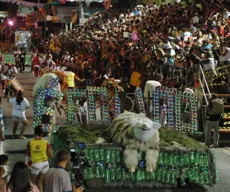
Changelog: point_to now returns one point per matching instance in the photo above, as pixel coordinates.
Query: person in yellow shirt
(70, 78)
(38, 152)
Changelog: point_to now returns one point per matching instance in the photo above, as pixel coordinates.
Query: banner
(23, 38)
(23, 11)
(9, 58)
(24, 3)
(74, 16)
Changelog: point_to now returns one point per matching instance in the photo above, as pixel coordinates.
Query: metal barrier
(203, 108)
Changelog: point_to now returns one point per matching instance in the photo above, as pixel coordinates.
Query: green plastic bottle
(108, 156)
(96, 155)
(123, 175)
(97, 173)
(132, 177)
(118, 171)
(113, 156)
(118, 156)
(138, 175)
(113, 174)
(107, 176)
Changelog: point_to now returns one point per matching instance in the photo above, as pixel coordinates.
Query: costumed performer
(11, 72)
(48, 82)
(36, 64)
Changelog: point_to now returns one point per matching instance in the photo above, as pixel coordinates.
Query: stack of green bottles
(107, 164)
(71, 107)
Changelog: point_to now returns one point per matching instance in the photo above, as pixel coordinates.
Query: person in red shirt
(36, 65)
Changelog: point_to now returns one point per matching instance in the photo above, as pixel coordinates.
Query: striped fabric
(1, 119)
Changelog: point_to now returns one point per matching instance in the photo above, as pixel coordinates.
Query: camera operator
(57, 179)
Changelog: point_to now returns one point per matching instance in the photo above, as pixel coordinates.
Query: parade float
(123, 149)
(132, 150)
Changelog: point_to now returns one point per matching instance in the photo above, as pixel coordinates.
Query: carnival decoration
(24, 3)
(91, 93)
(44, 82)
(186, 165)
(104, 103)
(156, 105)
(23, 38)
(117, 103)
(193, 163)
(178, 121)
(92, 105)
(136, 132)
(46, 88)
(139, 100)
(170, 107)
(176, 104)
(71, 105)
(40, 107)
(190, 102)
(61, 76)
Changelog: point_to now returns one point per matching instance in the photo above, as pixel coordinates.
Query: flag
(74, 16)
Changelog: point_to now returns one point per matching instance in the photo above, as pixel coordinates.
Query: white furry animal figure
(150, 86)
(137, 133)
(44, 81)
(188, 90)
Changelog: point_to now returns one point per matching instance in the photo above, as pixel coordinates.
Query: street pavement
(15, 148)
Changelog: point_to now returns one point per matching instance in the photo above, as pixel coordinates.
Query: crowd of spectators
(163, 43)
